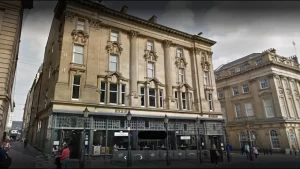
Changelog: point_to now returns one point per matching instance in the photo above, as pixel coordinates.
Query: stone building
(11, 15)
(111, 62)
(259, 96)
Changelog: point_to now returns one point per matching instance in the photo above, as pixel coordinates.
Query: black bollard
(264, 151)
(290, 151)
(270, 151)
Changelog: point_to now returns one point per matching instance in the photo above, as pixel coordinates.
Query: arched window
(292, 137)
(274, 139)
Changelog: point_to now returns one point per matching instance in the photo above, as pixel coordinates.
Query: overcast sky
(240, 28)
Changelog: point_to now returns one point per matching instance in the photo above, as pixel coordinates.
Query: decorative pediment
(205, 65)
(187, 86)
(149, 80)
(181, 62)
(79, 34)
(114, 47)
(118, 75)
(150, 55)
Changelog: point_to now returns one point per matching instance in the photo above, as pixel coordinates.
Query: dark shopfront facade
(101, 129)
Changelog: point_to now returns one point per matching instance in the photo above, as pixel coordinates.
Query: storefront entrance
(73, 139)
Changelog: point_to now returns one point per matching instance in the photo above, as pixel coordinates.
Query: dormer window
(179, 53)
(242, 68)
(259, 62)
(150, 45)
(114, 36)
(232, 71)
(80, 24)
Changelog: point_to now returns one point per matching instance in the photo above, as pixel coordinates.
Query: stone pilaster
(134, 99)
(197, 106)
(168, 78)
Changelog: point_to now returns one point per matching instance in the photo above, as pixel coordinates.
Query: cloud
(34, 36)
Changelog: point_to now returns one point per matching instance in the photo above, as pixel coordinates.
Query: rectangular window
(142, 96)
(123, 93)
(76, 87)
(259, 62)
(223, 110)
(206, 78)
(292, 85)
(183, 99)
(210, 102)
(150, 69)
(285, 84)
(113, 93)
(80, 24)
(238, 110)
(264, 84)
(149, 45)
(268, 105)
(152, 97)
(191, 101)
(245, 88)
(103, 92)
(242, 68)
(176, 100)
(283, 107)
(179, 53)
(218, 76)
(78, 54)
(114, 36)
(181, 75)
(113, 63)
(232, 71)
(220, 95)
(291, 108)
(161, 96)
(249, 109)
(235, 91)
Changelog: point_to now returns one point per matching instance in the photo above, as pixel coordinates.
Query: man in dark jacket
(3, 159)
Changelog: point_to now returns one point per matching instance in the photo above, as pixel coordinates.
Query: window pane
(183, 104)
(142, 90)
(113, 87)
(143, 96)
(114, 36)
(80, 27)
(78, 48)
(113, 58)
(161, 98)
(75, 93)
(149, 45)
(76, 80)
(150, 73)
(152, 91)
(113, 97)
(103, 86)
(112, 66)
(102, 96)
(123, 88)
(152, 97)
(123, 94)
(78, 58)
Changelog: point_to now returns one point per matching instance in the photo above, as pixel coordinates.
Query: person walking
(64, 157)
(25, 142)
(247, 150)
(255, 152)
(5, 160)
(215, 154)
(243, 149)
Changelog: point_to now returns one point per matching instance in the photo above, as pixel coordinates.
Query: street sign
(120, 134)
(185, 137)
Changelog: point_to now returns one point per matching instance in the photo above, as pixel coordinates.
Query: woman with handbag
(215, 154)
(64, 157)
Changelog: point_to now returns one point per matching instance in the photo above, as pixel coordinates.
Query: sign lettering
(213, 116)
(121, 111)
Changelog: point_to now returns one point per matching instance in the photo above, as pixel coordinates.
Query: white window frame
(103, 91)
(264, 84)
(143, 96)
(291, 107)
(150, 45)
(176, 99)
(110, 91)
(246, 86)
(80, 23)
(210, 102)
(149, 96)
(179, 53)
(274, 138)
(181, 75)
(272, 108)
(123, 93)
(111, 61)
(183, 100)
(152, 69)
(238, 111)
(283, 106)
(249, 111)
(114, 36)
(161, 98)
(237, 91)
(78, 85)
(206, 78)
(74, 52)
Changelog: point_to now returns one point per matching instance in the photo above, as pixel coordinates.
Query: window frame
(242, 68)
(240, 110)
(117, 93)
(237, 90)
(181, 75)
(154, 96)
(246, 109)
(152, 45)
(74, 52)
(80, 20)
(282, 105)
(274, 138)
(151, 69)
(161, 98)
(264, 104)
(179, 52)
(259, 62)
(183, 100)
(245, 88)
(112, 32)
(176, 99)
(123, 94)
(210, 101)
(232, 71)
(113, 62)
(77, 85)
(291, 107)
(218, 75)
(265, 83)
(103, 92)
(143, 95)
(206, 78)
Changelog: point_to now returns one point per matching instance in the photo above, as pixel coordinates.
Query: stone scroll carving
(80, 35)
(69, 16)
(114, 47)
(94, 23)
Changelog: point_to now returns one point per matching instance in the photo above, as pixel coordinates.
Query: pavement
(30, 158)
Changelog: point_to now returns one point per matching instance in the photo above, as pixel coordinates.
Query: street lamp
(199, 139)
(129, 162)
(166, 121)
(82, 159)
(249, 142)
(227, 142)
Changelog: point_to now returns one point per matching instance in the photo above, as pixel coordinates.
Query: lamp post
(227, 142)
(166, 121)
(249, 142)
(129, 162)
(199, 139)
(82, 159)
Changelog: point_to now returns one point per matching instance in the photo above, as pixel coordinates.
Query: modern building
(11, 16)
(111, 63)
(259, 96)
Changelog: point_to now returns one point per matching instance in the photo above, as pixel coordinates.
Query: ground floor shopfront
(280, 136)
(105, 132)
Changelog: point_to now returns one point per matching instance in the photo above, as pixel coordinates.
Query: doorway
(73, 139)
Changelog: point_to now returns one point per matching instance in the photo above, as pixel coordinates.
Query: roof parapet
(271, 50)
(153, 19)
(124, 9)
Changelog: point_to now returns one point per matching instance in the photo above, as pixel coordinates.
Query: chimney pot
(153, 19)
(124, 9)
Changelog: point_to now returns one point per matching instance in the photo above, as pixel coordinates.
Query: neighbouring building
(259, 96)
(11, 16)
(111, 62)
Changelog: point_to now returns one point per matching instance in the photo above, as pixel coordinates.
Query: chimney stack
(124, 9)
(153, 19)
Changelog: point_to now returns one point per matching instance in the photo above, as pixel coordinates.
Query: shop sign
(121, 111)
(213, 116)
(185, 137)
(120, 134)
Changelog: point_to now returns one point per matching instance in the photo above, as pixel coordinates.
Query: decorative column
(196, 97)
(168, 77)
(133, 100)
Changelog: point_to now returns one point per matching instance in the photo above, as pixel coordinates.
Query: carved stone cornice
(254, 80)
(180, 62)
(271, 76)
(197, 50)
(167, 43)
(69, 16)
(114, 47)
(94, 23)
(80, 34)
(150, 55)
(133, 34)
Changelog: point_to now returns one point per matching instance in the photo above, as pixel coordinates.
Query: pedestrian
(243, 149)
(255, 152)
(215, 154)
(5, 160)
(247, 150)
(57, 159)
(64, 157)
(25, 142)
(7, 145)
